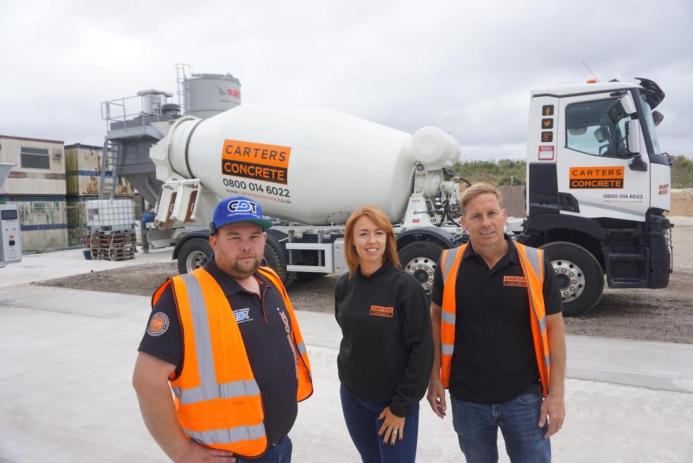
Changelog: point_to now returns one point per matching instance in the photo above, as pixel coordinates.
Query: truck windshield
(597, 127)
(647, 120)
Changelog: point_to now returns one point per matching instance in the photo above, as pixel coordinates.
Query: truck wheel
(193, 254)
(275, 258)
(578, 274)
(420, 259)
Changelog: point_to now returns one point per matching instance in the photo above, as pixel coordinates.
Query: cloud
(465, 67)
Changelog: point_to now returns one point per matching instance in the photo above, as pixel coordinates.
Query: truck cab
(598, 186)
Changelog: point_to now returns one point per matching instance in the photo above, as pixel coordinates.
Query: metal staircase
(109, 170)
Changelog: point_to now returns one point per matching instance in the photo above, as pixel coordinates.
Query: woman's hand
(393, 426)
(436, 396)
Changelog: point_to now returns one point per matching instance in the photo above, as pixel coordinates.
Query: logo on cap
(242, 206)
(238, 209)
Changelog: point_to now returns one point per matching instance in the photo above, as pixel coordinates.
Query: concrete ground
(66, 360)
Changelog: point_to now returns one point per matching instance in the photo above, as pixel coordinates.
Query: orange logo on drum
(257, 161)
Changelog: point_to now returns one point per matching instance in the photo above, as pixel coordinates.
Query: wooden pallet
(112, 245)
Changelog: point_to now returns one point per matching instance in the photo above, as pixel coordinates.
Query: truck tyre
(578, 274)
(275, 258)
(193, 254)
(420, 260)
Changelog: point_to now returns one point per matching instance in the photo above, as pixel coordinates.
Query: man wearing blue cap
(225, 340)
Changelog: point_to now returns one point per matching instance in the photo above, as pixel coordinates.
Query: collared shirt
(265, 328)
(494, 356)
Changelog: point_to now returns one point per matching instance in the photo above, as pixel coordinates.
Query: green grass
(513, 172)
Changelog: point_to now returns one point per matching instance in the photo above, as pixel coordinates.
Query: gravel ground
(657, 315)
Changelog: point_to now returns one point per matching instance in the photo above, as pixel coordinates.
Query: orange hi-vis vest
(532, 263)
(218, 402)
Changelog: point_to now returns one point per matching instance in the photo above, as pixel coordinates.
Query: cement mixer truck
(597, 186)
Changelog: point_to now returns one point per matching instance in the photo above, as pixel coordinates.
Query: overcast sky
(466, 67)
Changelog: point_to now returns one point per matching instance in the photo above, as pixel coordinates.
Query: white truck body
(597, 185)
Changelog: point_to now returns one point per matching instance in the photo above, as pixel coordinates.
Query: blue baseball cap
(237, 209)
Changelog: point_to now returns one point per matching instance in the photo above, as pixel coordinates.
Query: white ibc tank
(110, 214)
(306, 165)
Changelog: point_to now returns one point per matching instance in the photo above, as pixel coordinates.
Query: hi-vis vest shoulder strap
(532, 263)
(217, 399)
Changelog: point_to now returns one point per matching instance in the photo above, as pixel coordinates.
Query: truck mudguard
(544, 222)
(426, 234)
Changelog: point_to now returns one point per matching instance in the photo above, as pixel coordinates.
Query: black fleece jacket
(386, 353)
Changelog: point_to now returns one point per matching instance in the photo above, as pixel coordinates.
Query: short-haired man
(225, 340)
(499, 338)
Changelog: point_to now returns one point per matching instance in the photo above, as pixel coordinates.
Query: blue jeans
(362, 421)
(277, 453)
(477, 430)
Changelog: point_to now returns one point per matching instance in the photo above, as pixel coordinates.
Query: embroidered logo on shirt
(380, 311)
(158, 324)
(287, 329)
(242, 315)
(509, 280)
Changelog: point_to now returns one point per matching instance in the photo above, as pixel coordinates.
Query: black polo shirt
(494, 356)
(263, 322)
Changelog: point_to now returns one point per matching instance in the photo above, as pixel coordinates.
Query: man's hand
(195, 453)
(150, 379)
(553, 410)
(393, 426)
(436, 396)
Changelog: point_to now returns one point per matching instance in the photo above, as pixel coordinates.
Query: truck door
(594, 163)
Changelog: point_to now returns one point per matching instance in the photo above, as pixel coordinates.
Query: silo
(206, 95)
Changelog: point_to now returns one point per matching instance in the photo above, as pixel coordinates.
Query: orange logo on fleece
(509, 280)
(380, 311)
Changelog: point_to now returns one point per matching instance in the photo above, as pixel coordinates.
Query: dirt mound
(681, 203)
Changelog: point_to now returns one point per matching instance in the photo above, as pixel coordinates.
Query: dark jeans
(362, 421)
(477, 430)
(277, 453)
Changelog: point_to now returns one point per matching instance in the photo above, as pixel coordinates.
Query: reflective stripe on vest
(216, 391)
(203, 343)
(532, 263)
(229, 436)
(301, 348)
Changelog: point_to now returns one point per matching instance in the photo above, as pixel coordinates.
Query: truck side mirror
(628, 105)
(633, 136)
(657, 117)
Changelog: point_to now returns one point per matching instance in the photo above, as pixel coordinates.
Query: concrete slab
(67, 358)
(45, 266)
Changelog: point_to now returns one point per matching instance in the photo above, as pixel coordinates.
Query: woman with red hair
(386, 353)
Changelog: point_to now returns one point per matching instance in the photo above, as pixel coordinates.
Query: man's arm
(150, 380)
(436, 391)
(553, 406)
